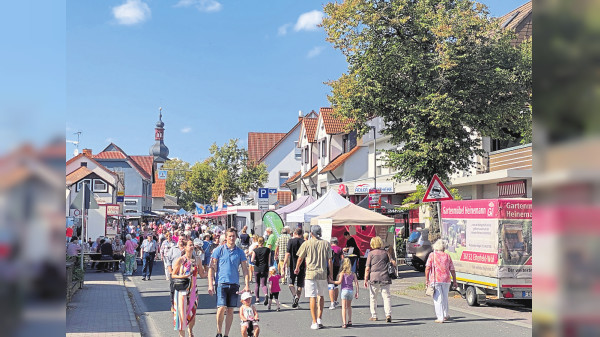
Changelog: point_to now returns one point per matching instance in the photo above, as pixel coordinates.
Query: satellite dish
(75, 152)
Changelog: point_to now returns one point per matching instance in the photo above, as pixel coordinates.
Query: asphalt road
(410, 317)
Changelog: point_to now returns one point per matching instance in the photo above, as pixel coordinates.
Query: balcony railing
(518, 157)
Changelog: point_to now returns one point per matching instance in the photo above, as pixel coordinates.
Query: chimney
(87, 152)
(300, 115)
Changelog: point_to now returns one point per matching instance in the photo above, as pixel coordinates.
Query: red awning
(213, 214)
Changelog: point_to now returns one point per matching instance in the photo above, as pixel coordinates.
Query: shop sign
(385, 188)
(113, 210)
(130, 202)
(342, 189)
(374, 198)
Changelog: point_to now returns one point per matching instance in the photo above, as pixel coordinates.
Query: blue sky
(219, 69)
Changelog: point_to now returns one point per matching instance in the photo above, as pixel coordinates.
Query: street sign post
(162, 174)
(263, 199)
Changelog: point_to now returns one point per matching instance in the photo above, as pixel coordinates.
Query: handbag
(429, 290)
(181, 284)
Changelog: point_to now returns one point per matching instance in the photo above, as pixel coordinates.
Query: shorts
(347, 294)
(227, 295)
(274, 295)
(332, 286)
(314, 288)
(296, 279)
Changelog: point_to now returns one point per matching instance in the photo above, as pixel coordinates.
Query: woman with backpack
(336, 259)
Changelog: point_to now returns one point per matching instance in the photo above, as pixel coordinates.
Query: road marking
(475, 313)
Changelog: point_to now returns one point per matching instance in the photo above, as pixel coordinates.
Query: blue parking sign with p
(263, 193)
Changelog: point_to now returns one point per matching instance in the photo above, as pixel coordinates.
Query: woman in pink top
(438, 269)
(130, 263)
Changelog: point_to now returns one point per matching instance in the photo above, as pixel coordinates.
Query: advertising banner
(273, 220)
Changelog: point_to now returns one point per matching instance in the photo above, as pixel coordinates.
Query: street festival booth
(302, 202)
(328, 202)
(362, 224)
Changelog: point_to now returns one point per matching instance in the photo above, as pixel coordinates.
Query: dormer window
(84, 163)
(100, 186)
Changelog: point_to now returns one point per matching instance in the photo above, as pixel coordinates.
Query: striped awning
(512, 189)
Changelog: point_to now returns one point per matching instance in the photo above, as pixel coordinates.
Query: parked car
(418, 248)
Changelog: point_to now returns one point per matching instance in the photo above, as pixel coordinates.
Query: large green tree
(176, 177)
(232, 173)
(441, 74)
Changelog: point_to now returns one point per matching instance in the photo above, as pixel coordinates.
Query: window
(283, 177)
(84, 163)
(324, 148)
(345, 144)
(79, 184)
(306, 155)
(323, 190)
(297, 151)
(305, 192)
(378, 170)
(100, 186)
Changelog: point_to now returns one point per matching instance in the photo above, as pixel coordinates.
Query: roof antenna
(76, 143)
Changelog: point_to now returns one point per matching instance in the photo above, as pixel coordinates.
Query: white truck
(489, 241)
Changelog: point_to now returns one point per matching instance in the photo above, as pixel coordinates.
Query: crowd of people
(304, 261)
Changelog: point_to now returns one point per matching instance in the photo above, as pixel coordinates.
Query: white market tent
(328, 202)
(302, 202)
(353, 215)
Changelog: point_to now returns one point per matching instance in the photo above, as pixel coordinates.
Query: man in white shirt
(148, 253)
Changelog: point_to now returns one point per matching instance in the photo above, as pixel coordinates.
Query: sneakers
(143, 278)
(319, 323)
(266, 300)
(336, 303)
(219, 335)
(295, 304)
(388, 319)
(332, 306)
(314, 326)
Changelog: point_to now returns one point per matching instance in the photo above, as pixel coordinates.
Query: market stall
(328, 202)
(299, 204)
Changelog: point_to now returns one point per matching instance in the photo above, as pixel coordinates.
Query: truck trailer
(489, 241)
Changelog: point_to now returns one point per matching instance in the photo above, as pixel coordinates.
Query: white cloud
(315, 52)
(201, 5)
(282, 30)
(131, 12)
(309, 20)
(186, 129)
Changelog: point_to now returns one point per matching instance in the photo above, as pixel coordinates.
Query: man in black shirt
(106, 252)
(290, 260)
(350, 242)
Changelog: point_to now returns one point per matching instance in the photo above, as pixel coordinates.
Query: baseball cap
(316, 230)
(246, 295)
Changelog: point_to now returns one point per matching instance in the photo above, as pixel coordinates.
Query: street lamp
(372, 127)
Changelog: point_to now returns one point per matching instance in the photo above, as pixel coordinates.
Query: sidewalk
(102, 308)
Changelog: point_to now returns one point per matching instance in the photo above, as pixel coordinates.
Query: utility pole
(374, 157)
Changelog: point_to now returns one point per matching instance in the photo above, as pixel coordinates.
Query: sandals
(344, 326)
(349, 324)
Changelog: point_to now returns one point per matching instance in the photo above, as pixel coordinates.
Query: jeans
(374, 290)
(148, 263)
(130, 264)
(440, 300)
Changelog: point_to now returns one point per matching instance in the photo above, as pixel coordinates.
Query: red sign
(478, 257)
(374, 198)
(437, 191)
(342, 189)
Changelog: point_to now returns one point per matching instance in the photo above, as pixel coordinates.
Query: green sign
(273, 220)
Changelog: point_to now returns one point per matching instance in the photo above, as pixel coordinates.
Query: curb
(130, 311)
(470, 312)
(138, 309)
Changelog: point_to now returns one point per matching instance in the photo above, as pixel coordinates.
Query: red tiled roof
(333, 124)
(277, 144)
(260, 143)
(110, 155)
(77, 175)
(310, 172)
(159, 187)
(145, 162)
(310, 127)
(284, 197)
(292, 178)
(92, 160)
(339, 160)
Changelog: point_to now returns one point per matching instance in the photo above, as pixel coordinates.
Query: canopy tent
(302, 202)
(181, 211)
(369, 224)
(328, 202)
(212, 215)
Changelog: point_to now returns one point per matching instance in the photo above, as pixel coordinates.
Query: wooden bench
(106, 261)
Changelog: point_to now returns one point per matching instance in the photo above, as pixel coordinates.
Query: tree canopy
(440, 73)
(226, 172)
